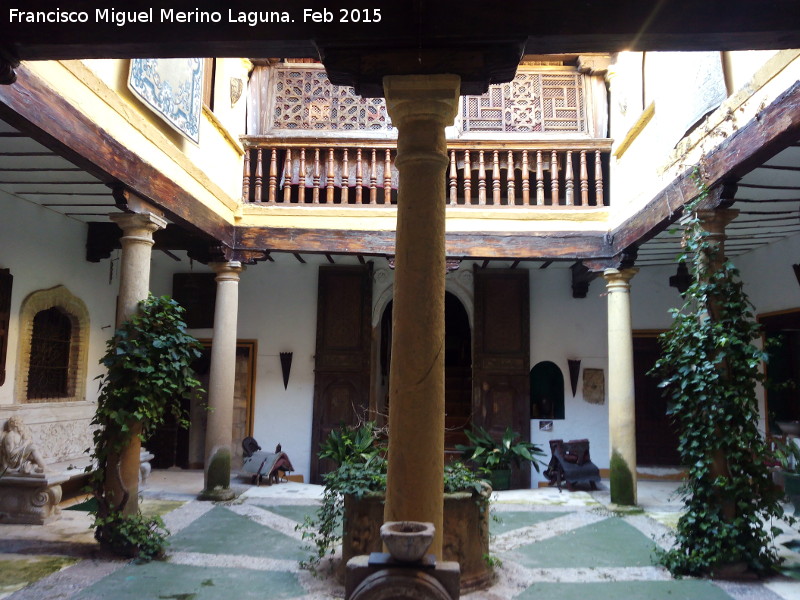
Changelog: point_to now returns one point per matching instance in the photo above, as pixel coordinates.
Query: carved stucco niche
(75, 310)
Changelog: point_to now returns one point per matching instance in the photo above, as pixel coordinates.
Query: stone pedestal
(30, 499)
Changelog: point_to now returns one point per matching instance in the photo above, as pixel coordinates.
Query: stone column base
(30, 499)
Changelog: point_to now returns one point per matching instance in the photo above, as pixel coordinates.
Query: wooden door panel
(502, 356)
(342, 362)
(656, 436)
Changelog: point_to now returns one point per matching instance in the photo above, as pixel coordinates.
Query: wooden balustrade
(534, 175)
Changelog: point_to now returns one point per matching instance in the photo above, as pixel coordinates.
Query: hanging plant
(149, 372)
(709, 369)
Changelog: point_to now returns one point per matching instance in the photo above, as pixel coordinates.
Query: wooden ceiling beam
(507, 246)
(775, 127)
(30, 105)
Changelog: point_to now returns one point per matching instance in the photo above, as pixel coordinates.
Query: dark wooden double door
(500, 355)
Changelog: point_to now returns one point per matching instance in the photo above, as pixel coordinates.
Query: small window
(48, 371)
(547, 391)
(53, 347)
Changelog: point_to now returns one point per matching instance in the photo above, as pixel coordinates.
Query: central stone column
(222, 378)
(134, 286)
(621, 399)
(421, 106)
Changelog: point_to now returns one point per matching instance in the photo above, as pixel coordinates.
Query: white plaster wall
(44, 249)
(278, 308)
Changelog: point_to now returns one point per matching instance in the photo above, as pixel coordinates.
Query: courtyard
(547, 544)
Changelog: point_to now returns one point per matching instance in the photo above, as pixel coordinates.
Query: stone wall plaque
(594, 386)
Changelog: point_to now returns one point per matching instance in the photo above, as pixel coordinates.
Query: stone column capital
(715, 221)
(619, 278)
(229, 270)
(138, 227)
(432, 97)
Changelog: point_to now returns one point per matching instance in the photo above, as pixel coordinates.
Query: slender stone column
(714, 222)
(621, 401)
(222, 378)
(137, 247)
(421, 106)
(134, 286)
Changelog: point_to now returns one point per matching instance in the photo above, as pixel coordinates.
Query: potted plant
(498, 456)
(353, 504)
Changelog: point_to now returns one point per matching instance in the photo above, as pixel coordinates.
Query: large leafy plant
(492, 454)
(148, 372)
(360, 455)
(708, 370)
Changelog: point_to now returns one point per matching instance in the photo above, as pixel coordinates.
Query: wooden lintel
(465, 245)
(31, 106)
(103, 237)
(581, 278)
(130, 201)
(774, 128)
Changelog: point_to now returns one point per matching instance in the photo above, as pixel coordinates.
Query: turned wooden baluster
(526, 179)
(373, 179)
(315, 189)
(387, 177)
(539, 178)
(331, 177)
(598, 180)
(453, 178)
(259, 175)
(246, 178)
(510, 178)
(301, 187)
(273, 175)
(569, 180)
(287, 177)
(554, 178)
(467, 179)
(345, 177)
(359, 177)
(496, 178)
(584, 180)
(481, 179)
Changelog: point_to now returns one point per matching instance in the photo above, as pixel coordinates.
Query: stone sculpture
(18, 453)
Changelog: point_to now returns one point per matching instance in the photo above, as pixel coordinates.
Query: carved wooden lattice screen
(306, 100)
(535, 101)
(549, 102)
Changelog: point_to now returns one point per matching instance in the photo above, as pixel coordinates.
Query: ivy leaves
(148, 373)
(709, 369)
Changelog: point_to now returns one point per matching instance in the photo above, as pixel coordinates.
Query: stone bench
(32, 499)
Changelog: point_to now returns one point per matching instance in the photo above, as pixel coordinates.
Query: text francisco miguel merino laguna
(170, 15)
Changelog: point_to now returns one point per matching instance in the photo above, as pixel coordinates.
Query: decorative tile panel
(173, 89)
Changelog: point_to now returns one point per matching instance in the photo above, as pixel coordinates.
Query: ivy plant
(148, 373)
(709, 369)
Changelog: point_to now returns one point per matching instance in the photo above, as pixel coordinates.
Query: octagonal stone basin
(407, 541)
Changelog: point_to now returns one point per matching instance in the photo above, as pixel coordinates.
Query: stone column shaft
(621, 400)
(134, 286)
(420, 107)
(222, 375)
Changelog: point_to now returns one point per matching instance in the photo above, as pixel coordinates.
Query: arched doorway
(457, 367)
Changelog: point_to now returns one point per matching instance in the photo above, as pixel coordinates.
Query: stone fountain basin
(407, 541)
(790, 427)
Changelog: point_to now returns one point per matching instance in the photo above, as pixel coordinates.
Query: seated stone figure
(18, 454)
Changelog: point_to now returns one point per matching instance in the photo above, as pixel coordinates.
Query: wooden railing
(496, 174)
